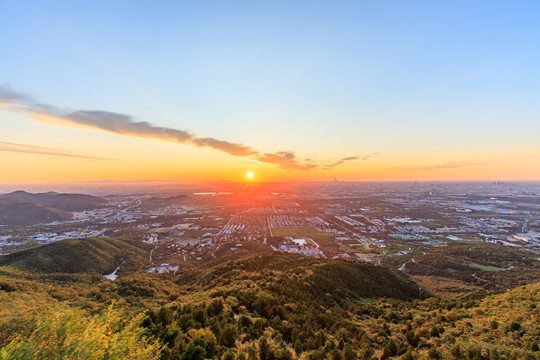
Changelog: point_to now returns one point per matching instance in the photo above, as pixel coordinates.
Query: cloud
(29, 149)
(125, 125)
(285, 160)
(9, 96)
(225, 146)
(366, 157)
(118, 123)
(350, 158)
(449, 165)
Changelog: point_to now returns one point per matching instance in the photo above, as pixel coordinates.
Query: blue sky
(320, 78)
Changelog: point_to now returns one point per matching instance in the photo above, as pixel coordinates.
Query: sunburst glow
(249, 175)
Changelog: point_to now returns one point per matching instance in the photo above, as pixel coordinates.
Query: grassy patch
(485, 267)
(320, 237)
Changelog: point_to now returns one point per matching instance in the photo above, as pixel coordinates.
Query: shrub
(71, 333)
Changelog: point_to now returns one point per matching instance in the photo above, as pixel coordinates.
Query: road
(139, 202)
(269, 227)
(224, 226)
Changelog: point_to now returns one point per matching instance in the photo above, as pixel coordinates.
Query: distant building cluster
(163, 269)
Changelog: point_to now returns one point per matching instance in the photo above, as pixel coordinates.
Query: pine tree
(264, 349)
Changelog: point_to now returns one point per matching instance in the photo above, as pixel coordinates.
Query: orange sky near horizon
(94, 155)
(292, 91)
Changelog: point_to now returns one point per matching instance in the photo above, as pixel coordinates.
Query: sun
(249, 175)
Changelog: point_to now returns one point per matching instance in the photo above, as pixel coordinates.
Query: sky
(288, 90)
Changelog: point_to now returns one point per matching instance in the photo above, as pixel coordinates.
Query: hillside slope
(250, 305)
(22, 208)
(336, 281)
(66, 202)
(22, 213)
(90, 255)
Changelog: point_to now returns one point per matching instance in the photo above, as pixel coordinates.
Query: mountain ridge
(24, 208)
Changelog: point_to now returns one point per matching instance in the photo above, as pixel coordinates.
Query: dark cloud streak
(29, 149)
(126, 125)
(449, 165)
(350, 158)
(120, 124)
(285, 160)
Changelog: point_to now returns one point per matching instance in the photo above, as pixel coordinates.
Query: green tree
(215, 307)
(408, 355)
(229, 355)
(228, 336)
(390, 348)
(298, 347)
(433, 353)
(252, 353)
(348, 353)
(335, 354)
(284, 354)
(412, 340)
(514, 326)
(264, 349)
(494, 355)
(205, 339)
(194, 352)
(199, 315)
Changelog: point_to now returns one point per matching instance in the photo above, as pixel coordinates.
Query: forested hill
(23, 208)
(88, 255)
(253, 305)
(64, 202)
(329, 281)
